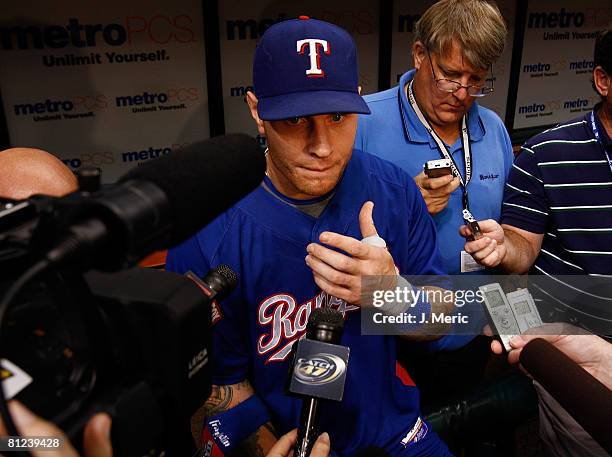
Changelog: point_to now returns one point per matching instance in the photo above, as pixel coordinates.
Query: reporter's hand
(591, 352)
(284, 446)
(340, 274)
(96, 436)
(489, 250)
(436, 191)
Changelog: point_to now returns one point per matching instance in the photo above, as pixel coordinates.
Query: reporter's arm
(522, 249)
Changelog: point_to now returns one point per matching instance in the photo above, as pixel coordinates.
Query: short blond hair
(476, 26)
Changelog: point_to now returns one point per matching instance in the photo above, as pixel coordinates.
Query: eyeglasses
(448, 85)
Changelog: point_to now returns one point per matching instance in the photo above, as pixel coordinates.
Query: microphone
(159, 204)
(319, 372)
(586, 399)
(216, 285)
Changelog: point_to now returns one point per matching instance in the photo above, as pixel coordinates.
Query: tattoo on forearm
(219, 400)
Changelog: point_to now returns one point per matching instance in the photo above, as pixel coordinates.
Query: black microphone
(160, 203)
(319, 372)
(586, 399)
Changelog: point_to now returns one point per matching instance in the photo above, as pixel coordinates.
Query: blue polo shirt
(394, 133)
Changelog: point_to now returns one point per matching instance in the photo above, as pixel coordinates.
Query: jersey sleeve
(525, 204)
(208, 249)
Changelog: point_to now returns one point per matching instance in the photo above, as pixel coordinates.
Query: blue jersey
(264, 241)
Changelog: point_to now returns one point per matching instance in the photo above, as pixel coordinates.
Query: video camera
(133, 343)
(136, 342)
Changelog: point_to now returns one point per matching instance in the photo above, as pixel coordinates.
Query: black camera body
(135, 343)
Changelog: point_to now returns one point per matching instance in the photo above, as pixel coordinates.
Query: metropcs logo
(158, 29)
(563, 19)
(535, 110)
(145, 154)
(153, 101)
(580, 104)
(551, 19)
(87, 102)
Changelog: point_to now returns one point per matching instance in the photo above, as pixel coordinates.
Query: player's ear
(251, 100)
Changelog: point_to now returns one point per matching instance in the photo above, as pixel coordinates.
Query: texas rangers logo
(315, 46)
(287, 322)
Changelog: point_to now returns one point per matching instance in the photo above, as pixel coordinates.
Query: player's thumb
(366, 221)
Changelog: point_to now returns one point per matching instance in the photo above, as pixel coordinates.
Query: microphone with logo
(319, 372)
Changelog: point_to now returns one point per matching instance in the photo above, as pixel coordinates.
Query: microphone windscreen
(586, 399)
(204, 179)
(327, 316)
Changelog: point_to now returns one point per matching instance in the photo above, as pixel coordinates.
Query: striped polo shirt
(561, 185)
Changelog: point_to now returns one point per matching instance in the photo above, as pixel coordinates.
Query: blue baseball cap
(305, 67)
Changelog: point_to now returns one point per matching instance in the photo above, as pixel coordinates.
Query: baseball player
(295, 244)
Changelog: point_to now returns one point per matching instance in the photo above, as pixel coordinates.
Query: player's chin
(318, 186)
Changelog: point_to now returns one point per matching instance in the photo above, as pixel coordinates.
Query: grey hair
(476, 26)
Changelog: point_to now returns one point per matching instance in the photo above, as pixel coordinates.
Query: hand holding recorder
(436, 183)
(489, 249)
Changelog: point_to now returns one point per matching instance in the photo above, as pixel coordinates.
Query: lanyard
(465, 143)
(598, 138)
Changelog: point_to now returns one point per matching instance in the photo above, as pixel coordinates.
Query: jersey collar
(415, 131)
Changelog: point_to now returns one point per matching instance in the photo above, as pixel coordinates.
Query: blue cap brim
(310, 103)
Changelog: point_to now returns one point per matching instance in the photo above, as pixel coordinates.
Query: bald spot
(26, 171)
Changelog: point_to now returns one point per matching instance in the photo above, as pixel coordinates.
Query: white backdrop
(107, 84)
(557, 60)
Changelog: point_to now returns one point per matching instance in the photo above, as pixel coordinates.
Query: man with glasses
(433, 114)
(422, 119)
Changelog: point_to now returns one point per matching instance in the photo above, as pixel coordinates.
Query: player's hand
(436, 191)
(489, 250)
(96, 437)
(285, 444)
(340, 274)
